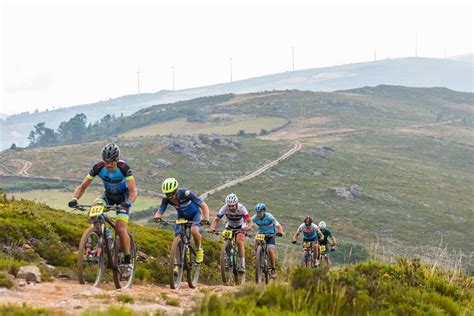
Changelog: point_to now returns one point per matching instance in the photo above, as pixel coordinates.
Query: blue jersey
(188, 203)
(266, 224)
(115, 182)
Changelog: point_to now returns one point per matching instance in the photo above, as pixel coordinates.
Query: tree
(13, 146)
(74, 130)
(42, 136)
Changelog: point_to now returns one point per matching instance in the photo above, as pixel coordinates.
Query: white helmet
(322, 225)
(231, 199)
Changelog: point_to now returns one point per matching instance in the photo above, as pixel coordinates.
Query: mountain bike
(307, 261)
(262, 259)
(97, 247)
(182, 255)
(324, 255)
(230, 257)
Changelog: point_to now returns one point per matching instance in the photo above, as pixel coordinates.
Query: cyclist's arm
(320, 233)
(132, 190)
(159, 212)
(214, 223)
(249, 222)
(81, 188)
(295, 236)
(333, 240)
(279, 228)
(205, 210)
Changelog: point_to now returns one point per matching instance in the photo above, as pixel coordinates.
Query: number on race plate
(322, 248)
(306, 244)
(181, 221)
(227, 234)
(96, 210)
(260, 237)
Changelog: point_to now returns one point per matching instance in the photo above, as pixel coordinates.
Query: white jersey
(234, 219)
(310, 232)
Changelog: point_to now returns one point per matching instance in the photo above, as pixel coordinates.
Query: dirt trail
(255, 173)
(74, 298)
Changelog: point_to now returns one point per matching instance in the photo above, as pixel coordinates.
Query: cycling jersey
(115, 182)
(188, 204)
(266, 224)
(309, 233)
(327, 234)
(234, 219)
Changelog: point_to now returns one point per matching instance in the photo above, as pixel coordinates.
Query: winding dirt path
(255, 173)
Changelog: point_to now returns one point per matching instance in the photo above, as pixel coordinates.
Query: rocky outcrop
(353, 191)
(30, 274)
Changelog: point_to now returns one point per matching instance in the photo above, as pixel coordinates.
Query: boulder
(29, 273)
(163, 163)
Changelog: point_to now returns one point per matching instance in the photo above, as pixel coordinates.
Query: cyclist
(120, 189)
(189, 207)
(329, 240)
(311, 232)
(267, 224)
(237, 218)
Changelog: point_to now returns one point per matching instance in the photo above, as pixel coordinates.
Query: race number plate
(322, 248)
(306, 244)
(227, 234)
(181, 221)
(96, 210)
(260, 237)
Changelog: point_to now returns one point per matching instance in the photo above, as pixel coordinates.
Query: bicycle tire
(259, 264)
(82, 274)
(176, 253)
(192, 268)
(225, 260)
(118, 256)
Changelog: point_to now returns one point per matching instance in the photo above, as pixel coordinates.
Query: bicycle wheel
(226, 263)
(266, 267)
(90, 258)
(325, 261)
(176, 262)
(192, 268)
(306, 261)
(259, 264)
(120, 280)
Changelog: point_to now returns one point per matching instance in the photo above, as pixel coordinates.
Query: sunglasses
(169, 195)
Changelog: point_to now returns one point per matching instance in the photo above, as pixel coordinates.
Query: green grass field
(250, 125)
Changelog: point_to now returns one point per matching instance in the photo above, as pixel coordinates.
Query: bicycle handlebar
(84, 207)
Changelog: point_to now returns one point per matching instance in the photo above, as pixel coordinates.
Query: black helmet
(308, 220)
(110, 152)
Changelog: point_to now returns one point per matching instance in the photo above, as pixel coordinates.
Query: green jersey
(327, 234)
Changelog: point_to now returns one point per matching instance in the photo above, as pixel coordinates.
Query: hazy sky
(62, 53)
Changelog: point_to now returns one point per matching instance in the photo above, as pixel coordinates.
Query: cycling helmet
(322, 225)
(169, 185)
(110, 152)
(231, 199)
(260, 207)
(308, 220)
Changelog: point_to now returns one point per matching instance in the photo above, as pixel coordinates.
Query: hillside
(34, 234)
(454, 74)
(387, 167)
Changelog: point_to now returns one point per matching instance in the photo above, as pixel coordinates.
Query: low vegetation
(404, 288)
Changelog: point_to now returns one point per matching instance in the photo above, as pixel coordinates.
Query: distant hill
(455, 74)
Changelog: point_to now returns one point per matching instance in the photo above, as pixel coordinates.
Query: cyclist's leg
(241, 244)
(196, 217)
(121, 222)
(271, 251)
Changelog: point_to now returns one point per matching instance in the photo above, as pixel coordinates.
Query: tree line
(76, 130)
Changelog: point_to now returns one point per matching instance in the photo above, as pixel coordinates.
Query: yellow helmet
(169, 185)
